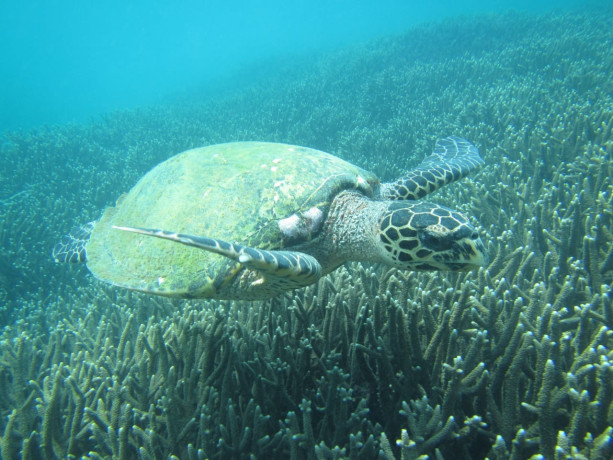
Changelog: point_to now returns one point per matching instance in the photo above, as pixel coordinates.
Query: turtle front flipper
(283, 270)
(452, 159)
(72, 247)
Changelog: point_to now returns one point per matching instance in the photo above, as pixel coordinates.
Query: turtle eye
(436, 241)
(465, 231)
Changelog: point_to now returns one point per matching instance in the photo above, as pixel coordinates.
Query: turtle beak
(474, 251)
(462, 250)
(470, 252)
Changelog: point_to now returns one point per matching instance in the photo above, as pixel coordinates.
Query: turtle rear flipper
(282, 269)
(72, 247)
(452, 159)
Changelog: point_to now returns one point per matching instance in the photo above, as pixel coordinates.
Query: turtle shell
(237, 192)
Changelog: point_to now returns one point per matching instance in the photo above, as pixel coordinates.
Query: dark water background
(73, 60)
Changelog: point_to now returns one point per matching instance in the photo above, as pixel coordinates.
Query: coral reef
(512, 361)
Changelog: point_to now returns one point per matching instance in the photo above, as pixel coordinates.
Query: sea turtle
(255, 219)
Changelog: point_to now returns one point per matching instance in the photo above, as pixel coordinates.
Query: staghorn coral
(513, 361)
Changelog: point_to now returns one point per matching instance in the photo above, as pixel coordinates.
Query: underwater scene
(512, 360)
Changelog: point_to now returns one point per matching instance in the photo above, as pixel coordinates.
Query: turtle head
(416, 235)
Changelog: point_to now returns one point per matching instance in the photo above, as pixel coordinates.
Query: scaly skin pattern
(259, 274)
(235, 192)
(424, 236)
(410, 235)
(451, 160)
(256, 219)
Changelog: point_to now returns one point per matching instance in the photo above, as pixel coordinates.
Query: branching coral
(512, 361)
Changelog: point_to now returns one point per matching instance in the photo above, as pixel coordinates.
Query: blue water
(70, 61)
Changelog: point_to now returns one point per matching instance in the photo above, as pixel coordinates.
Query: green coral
(512, 361)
